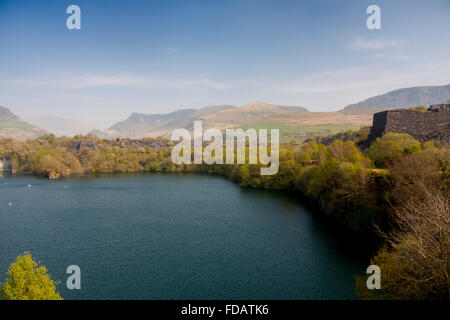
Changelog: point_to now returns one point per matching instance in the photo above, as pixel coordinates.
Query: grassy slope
(300, 133)
(16, 124)
(300, 126)
(20, 130)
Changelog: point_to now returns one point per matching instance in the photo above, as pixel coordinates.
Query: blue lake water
(168, 236)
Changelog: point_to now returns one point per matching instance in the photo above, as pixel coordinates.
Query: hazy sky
(159, 56)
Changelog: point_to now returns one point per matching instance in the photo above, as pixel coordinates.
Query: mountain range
(140, 125)
(402, 98)
(294, 122)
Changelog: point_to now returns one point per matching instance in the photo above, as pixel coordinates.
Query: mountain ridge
(401, 98)
(6, 113)
(139, 125)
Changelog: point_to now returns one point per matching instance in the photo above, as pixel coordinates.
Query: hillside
(222, 116)
(304, 125)
(12, 127)
(249, 113)
(295, 123)
(401, 98)
(5, 113)
(140, 125)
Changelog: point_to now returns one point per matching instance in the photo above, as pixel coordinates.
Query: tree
(416, 262)
(244, 174)
(383, 151)
(409, 172)
(28, 281)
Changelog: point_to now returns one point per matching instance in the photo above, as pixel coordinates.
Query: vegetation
(397, 187)
(15, 124)
(391, 147)
(28, 281)
(415, 262)
(290, 133)
(419, 108)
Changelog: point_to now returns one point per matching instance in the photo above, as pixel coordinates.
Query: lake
(175, 236)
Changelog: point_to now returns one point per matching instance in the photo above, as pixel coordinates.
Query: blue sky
(159, 56)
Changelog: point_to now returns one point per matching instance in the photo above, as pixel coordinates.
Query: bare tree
(420, 248)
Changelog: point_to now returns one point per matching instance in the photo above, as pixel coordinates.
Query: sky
(160, 56)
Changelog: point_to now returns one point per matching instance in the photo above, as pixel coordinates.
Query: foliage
(416, 263)
(28, 281)
(391, 147)
(419, 108)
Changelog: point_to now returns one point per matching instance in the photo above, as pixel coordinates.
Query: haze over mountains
(294, 122)
(140, 125)
(222, 116)
(60, 126)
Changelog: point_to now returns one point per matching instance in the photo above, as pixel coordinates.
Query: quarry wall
(422, 125)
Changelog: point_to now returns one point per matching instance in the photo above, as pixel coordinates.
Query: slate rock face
(423, 126)
(5, 165)
(138, 143)
(80, 145)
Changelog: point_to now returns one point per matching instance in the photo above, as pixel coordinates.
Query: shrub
(383, 151)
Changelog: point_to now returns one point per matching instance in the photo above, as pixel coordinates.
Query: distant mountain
(221, 116)
(401, 98)
(5, 113)
(249, 113)
(12, 127)
(152, 125)
(60, 126)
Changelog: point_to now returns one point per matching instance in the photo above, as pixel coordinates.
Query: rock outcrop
(138, 143)
(78, 146)
(5, 165)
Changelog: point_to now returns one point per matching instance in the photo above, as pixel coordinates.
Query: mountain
(60, 126)
(12, 127)
(7, 114)
(221, 116)
(152, 125)
(249, 113)
(401, 98)
(299, 126)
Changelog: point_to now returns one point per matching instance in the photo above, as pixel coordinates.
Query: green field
(16, 124)
(301, 133)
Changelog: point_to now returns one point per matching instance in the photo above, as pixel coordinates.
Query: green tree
(244, 174)
(383, 151)
(28, 281)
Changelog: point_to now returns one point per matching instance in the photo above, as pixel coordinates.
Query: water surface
(168, 236)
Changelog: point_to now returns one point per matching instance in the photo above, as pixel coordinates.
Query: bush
(383, 151)
(419, 108)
